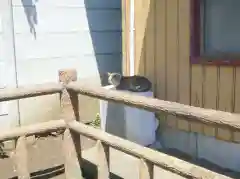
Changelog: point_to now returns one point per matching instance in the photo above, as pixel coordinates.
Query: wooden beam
(20, 159)
(68, 99)
(71, 139)
(206, 116)
(102, 160)
(32, 129)
(145, 170)
(72, 164)
(8, 94)
(162, 160)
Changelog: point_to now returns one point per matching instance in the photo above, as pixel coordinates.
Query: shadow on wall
(105, 25)
(104, 21)
(31, 14)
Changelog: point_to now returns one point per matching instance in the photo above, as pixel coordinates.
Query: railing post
(69, 100)
(145, 170)
(71, 140)
(20, 158)
(102, 160)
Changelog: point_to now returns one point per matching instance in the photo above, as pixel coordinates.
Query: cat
(134, 83)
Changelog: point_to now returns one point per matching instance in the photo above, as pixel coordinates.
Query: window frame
(195, 47)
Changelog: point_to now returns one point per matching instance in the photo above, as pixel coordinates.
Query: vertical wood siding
(162, 51)
(125, 36)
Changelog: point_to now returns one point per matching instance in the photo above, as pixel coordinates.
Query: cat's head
(114, 78)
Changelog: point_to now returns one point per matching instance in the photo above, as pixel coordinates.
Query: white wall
(80, 34)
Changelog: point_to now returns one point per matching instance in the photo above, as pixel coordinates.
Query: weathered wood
(72, 164)
(75, 105)
(71, 139)
(32, 129)
(207, 116)
(69, 103)
(69, 100)
(8, 94)
(20, 159)
(103, 160)
(145, 170)
(162, 160)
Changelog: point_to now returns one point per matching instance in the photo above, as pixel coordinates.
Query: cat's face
(114, 78)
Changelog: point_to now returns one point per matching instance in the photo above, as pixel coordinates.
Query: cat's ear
(109, 73)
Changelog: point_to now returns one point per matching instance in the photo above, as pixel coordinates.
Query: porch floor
(45, 157)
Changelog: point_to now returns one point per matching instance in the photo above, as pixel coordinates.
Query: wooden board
(172, 50)
(196, 86)
(150, 42)
(160, 57)
(237, 90)
(125, 37)
(225, 102)
(172, 54)
(210, 87)
(140, 27)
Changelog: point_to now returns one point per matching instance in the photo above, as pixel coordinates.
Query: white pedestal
(134, 124)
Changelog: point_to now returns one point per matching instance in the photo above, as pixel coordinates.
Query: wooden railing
(149, 159)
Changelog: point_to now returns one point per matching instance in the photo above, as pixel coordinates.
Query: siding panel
(160, 42)
(141, 13)
(183, 51)
(1, 19)
(58, 20)
(237, 90)
(1, 33)
(226, 85)
(183, 54)
(210, 87)
(71, 3)
(1, 48)
(175, 78)
(203, 86)
(125, 36)
(197, 84)
(81, 34)
(50, 66)
(172, 50)
(150, 42)
(172, 54)
(67, 44)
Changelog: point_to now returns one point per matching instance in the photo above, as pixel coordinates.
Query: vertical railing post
(103, 160)
(21, 159)
(71, 140)
(69, 101)
(145, 170)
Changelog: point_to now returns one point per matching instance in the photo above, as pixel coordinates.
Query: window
(215, 29)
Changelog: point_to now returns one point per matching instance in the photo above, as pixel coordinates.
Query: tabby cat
(134, 83)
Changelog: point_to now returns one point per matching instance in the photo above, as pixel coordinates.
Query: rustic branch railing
(148, 158)
(8, 94)
(197, 114)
